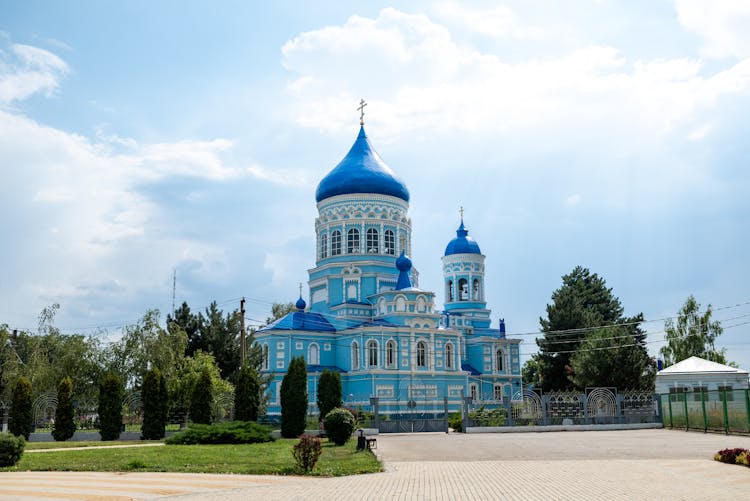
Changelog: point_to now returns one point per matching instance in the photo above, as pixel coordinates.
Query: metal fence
(727, 411)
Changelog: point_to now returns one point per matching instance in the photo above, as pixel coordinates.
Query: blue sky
(141, 137)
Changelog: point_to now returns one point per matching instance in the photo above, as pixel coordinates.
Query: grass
(98, 443)
(272, 458)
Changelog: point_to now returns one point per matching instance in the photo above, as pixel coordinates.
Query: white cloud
(26, 70)
(498, 21)
(722, 24)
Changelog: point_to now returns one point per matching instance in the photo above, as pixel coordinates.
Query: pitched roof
(697, 364)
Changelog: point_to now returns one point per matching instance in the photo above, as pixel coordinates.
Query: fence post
(669, 399)
(726, 413)
(445, 406)
(747, 408)
(703, 405)
(687, 420)
(376, 411)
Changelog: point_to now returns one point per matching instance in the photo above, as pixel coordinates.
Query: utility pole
(242, 332)
(174, 288)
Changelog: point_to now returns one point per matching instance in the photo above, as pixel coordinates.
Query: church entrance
(411, 416)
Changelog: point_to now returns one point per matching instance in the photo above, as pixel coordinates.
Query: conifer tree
(294, 399)
(20, 411)
(201, 399)
(154, 397)
(247, 395)
(110, 407)
(65, 426)
(329, 392)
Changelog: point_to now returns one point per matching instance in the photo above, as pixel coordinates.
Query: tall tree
(201, 399)
(247, 395)
(329, 392)
(65, 426)
(21, 418)
(582, 303)
(278, 310)
(693, 334)
(294, 399)
(110, 407)
(154, 397)
(191, 324)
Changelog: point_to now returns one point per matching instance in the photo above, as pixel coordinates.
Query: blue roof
(471, 370)
(300, 321)
(463, 243)
(361, 171)
(321, 368)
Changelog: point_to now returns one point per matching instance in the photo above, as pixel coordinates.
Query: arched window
(355, 355)
(265, 357)
(389, 242)
(390, 354)
(373, 246)
(323, 246)
(476, 289)
(336, 243)
(372, 353)
(400, 304)
(499, 360)
(448, 356)
(313, 354)
(352, 241)
(421, 354)
(463, 290)
(450, 290)
(473, 393)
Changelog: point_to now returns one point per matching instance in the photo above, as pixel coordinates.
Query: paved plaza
(634, 464)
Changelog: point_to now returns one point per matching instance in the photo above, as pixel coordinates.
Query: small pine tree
(329, 392)
(110, 407)
(247, 395)
(294, 399)
(201, 398)
(20, 411)
(65, 426)
(154, 399)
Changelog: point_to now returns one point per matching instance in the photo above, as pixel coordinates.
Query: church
(366, 317)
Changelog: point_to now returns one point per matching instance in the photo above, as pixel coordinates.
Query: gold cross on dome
(461, 211)
(361, 109)
(300, 289)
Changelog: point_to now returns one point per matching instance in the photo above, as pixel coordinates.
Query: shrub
(20, 410)
(201, 398)
(231, 432)
(154, 397)
(456, 422)
(484, 417)
(294, 399)
(329, 392)
(743, 458)
(730, 455)
(110, 407)
(64, 427)
(247, 395)
(11, 449)
(339, 424)
(306, 452)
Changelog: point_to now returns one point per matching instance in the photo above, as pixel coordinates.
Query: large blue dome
(463, 243)
(361, 171)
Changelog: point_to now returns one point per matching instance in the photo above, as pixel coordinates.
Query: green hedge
(11, 449)
(339, 424)
(231, 432)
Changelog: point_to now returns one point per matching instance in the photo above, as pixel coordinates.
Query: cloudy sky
(138, 138)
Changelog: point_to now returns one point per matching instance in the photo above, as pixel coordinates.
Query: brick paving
(636, 464)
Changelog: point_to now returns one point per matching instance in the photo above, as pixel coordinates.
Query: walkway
(640, 464)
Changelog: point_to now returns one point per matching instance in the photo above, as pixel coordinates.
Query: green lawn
(65, 445)
(272, 458)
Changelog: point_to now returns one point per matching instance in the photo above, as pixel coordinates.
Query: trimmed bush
(306, 452)
(743, 458)
(730, 455)
(154, 397)
(110, 407)
(11, 449)
(247, 395)
(231, 432)
(20, 409)
(294, 399)
(455, 422)
(339, 424)
(329, 392)
(64, 427)
(201, 399)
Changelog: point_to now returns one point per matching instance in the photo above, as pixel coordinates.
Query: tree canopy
(693, 334)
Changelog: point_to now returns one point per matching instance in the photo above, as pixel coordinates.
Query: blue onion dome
(361, 171)
(463, 243)
(403, 263)
(301, 304)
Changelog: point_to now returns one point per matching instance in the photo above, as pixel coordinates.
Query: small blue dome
(301, 304)
(403, 263)
(463, 243)
(361, 171)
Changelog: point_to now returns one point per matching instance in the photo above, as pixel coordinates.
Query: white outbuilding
(698, 374)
